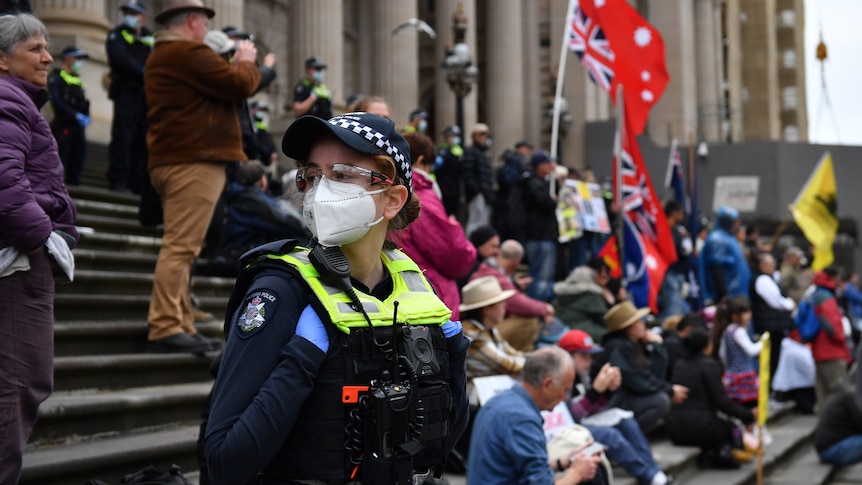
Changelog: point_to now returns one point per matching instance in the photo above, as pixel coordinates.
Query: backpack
(806, 320)
(151, 476)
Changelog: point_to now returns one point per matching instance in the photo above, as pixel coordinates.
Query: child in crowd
(736, 350)
(695, 421)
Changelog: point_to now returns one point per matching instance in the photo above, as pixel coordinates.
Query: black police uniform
(277, 403)
(322, 106)
(449, 177)
(68, 99)
(127, 56)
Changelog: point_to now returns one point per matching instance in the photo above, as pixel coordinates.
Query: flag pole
(668, 175)
(618, 159)
(561, 74)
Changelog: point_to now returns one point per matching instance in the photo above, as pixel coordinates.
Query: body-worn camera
(417, 346)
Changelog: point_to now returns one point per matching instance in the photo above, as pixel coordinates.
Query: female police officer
(341, 364)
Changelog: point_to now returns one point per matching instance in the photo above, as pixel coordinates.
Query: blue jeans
(671, 301)
(628, 447)
(846, 452)
(542, 256)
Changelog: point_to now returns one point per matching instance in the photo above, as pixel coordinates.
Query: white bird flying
(419, 24)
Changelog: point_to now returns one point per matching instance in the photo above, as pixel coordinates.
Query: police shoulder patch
(257, 311)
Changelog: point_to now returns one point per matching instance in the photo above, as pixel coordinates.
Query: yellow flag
(815, 211)
(763, 394)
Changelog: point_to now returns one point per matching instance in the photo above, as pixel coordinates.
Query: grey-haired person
(38, 220)
(345, 340)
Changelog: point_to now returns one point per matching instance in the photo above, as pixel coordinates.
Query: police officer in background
(71, 112)
(311, 96)
(128, 46)
(448, 169)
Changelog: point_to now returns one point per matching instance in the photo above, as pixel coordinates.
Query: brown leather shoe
(201, 316)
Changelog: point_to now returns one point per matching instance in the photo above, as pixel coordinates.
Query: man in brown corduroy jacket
(193, 133)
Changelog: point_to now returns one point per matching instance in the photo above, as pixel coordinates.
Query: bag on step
(151, 476)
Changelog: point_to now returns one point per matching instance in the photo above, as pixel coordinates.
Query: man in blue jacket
(722, 267)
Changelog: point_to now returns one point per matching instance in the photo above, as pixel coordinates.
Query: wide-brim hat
(364, 132)
(482, 292)
(172, 7)
(623, 315)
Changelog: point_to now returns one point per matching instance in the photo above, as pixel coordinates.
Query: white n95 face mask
(339, 213)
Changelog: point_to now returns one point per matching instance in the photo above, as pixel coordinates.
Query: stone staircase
(115, 408)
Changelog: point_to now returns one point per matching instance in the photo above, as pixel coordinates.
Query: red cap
(578, 341)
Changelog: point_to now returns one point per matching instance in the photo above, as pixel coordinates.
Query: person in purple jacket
(435, 241)
(38, 220)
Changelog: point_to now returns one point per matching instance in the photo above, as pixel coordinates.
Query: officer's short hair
(17, 28)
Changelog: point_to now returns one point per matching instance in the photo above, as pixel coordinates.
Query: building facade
(737, 66)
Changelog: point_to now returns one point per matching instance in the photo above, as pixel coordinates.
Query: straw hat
(482, 292)
(623, 315)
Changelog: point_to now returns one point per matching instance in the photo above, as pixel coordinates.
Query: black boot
(724, 459)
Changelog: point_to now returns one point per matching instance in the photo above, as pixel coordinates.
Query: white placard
(489, 386)
(739, 192)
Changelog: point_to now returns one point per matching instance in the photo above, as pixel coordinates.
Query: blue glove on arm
(451, 328)
(83, 120)
(311, 328)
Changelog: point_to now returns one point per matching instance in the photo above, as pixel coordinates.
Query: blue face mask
(456, 140)
(77, 65)
(132, 21)
(422, 126)
(318, 76)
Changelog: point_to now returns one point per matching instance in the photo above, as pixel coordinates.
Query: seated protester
(674, 329)
(736, 350)
(254, 217)
(482, 309)
(525, 316)
(770, 309)
(626, 443)
(580, 302)
(795, 375)
(612, 288)
(695, 422)
(642, 360)
(508, 444)
(838, 436)
(487, 243)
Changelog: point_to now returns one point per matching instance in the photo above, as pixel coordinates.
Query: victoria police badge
(258, 304)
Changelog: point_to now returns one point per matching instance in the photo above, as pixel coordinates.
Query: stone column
(708, 78)
(82, 23)
(536, 94)
(228, 12)
(317, 31)
(675, 114)
(504, 79)
(395, 57)
(734, 69)
(444, 113)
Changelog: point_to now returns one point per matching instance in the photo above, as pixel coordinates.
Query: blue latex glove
(311, 328)
(83, 120)
(451, 328)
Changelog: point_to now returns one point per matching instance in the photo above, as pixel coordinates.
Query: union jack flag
(588, 41)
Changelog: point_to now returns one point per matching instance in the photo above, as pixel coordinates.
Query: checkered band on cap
(402, 164)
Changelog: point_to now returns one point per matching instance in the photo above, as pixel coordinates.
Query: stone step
(110, 458)
(76, 306)
(77, 415)
(107, 241)
(111, 337)
(97, 259)
(802, 468)
(125, 371)
(94, 207)
(848, 475)
(110, 283)
(114, 224)
(102, 194)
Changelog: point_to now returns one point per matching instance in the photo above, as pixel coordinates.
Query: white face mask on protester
(339, 213)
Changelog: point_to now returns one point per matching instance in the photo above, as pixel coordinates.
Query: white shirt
(768, 289)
